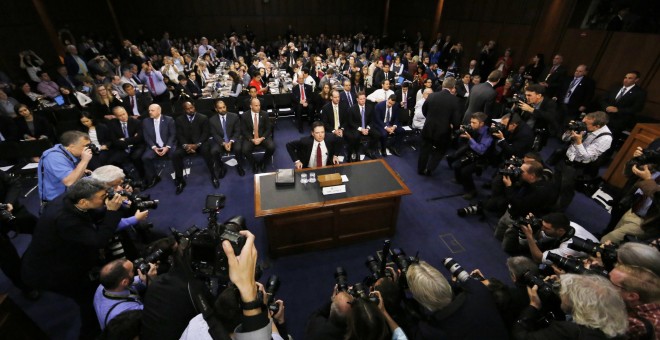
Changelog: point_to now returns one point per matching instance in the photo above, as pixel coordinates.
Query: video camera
(577, 126)
(575, 266)
(458, 272)
(608, 253)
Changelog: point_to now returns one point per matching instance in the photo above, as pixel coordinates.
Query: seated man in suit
(335, 120)
(348, 96)
(226, 133)
(359, 119)
(253, 93)
(192, 135)
(301, 100)
(126, 135)
(181, 90)
(136, 104)
(386, 122)
(159, 134)
(257, 131)
(622, 104)
(314, 151)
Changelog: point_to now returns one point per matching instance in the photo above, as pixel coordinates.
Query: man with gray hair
(66, 242)
(482, 97)
(442, 112)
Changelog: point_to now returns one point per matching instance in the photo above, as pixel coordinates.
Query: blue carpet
(430, 227)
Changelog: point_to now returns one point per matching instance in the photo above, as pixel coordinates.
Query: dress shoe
(383, 153)
(179, 186)
(222, 172)
(216, 182)
(372, 155)
(470, 195)
(395, 152)
(240, 170)
(153, 182)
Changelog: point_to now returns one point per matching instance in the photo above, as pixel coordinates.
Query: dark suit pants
(463, 174)
(372, 141)
(217, 150)
(267, 144)
(299, 110)
(388, 140)
(179, 154)
(134, 156)
(431, 153)
(148, 160)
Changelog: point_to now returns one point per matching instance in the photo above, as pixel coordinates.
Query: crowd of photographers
(197, 282)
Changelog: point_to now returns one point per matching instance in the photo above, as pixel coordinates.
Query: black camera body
(513, 161)
(5, 214)
(648, 157)
(458, 272)
(95, 149)
(575, 266)
(359, 291)
(511, 172)
(465, 129)
(496, 127)
(143, 263)
(577, 126)
(608, 253)
(535, 222)
(545, 291)
(139, 201)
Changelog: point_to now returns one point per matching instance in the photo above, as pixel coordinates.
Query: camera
(546, 290)
(465, 129)
(577, 126)
(607, 252)
(272, 286)
(534, 222)
(143, 263)
(648, 156)
(92, 147)
(132, 183)
(403, 262)
(359, 291)
(517, 162)
(140, 201)
(458, 272)
(476, 209)
(496, 127)
(341, 278)
(511, 172)
(5, 214)
(574, 266)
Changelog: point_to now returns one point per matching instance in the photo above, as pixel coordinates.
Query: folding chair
(29, 149)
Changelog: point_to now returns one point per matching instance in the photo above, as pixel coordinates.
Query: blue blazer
(378, 121)
(167, 132)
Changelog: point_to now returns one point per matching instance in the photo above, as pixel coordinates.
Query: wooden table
(300, 218)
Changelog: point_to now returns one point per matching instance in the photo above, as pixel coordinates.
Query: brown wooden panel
(641, 135)
(515, 37)
(581, 47)
(628, 51)
(374, 217)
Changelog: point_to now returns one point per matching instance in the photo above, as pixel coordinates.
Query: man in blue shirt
(153, 80)
(119, 288)
(63, 164)
(464, 161)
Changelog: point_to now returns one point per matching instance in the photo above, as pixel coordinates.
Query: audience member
(258, 132)
(386, 123)
(482, 97)
(192, 138)
(225, 130)
(623, 104)
(159, 132)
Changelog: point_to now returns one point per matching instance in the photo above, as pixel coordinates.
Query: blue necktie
(224, 130)
(362, 113)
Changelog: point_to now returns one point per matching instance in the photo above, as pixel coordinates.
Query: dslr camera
(511, 172)
(575, 266)
(465, 129)
(648, 156)
(534, 222)
(577, 126)
(139, 201)
(458, 272)
(358, 290)
(95, 149)
(496, 127)
(143, 263)
(5, 214)
(607, 252)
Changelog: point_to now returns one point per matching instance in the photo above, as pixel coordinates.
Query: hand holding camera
(642, 172)
(114, 203)
(242, 268)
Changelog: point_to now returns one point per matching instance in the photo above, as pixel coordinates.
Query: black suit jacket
(41, 128)
(265, 127)
(581, 95)
(441, 110)
(143, 102)
(555, 80)
(630, 103)
(517, 143)
(134, 128)
(295, 95)
(102, 134)
(194, 89)
(8, 129)
(343, 98)
(410, 98)
(328, 117)
(355, 118)
(378, 120)
(233, 127)
(167, 132)
(545, 115)
(302, 149)
(195, 132)
(481, 99)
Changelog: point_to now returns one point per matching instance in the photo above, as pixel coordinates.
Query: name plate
(337, 189)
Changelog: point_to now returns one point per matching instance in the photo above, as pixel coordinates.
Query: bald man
(258, 133)
(160, 139)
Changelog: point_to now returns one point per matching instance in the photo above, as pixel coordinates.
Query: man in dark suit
(463, 89)
(260, 135)
(291, 54)
(359, 121)
(335, 119)
(516, 140)
(623, 103)
(442, 112)
(482, 97)
(386, 122)
(539, 112)
(347, 97)
(315, 150)
(235, 48)
(301, 100)
(252, 93)
(576, 94)
(136, 104)
(181, 90)
(192, 135)
(406, 100)
(64, 79)
(553, 77)
(126, 135)
(226, 132)
(385, 74)
(159, 133)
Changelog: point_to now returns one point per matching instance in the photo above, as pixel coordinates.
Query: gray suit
(482, 99)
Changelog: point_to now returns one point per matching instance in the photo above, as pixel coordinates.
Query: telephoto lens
(455, 269)
(476, 209)
(341, 279)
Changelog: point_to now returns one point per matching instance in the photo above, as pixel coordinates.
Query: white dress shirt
(324, 154)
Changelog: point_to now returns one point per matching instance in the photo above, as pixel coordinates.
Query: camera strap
(123, 299)
(567, 236)
(43, 169)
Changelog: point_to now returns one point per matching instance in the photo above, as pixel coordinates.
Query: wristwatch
(258, 302)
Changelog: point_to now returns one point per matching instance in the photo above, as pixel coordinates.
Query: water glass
(303, 178)
(312, 177)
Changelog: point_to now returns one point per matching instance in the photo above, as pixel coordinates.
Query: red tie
(151, 82)
(302, 92)
(319, 157)
(132, 104)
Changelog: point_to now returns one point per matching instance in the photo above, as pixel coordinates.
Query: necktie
(384, 95)
(224, 130)
(256, 125)
(336, 117)
(190, 118)
(151, 83)
(302, 92)
(362, 114)
(2, 138)
(350, 99)
(132, 104)
(387, 116)
(124, 129)
(159, 140)
(570, 90)
(404, 97)
(621, 93)
(319, 156)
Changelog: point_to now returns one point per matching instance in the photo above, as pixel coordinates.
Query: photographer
(535, 195)
(465, 311)
(516, 139)
(633, 214)
(597, 308)
(554, 236)
(587, 149)
(464, 160)
(540, 114)
(330, 321)
(63, 164)
(65, 245)
(640, 289)
(119, 288)
(14, 218)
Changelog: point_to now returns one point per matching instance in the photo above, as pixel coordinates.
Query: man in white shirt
(382, 93)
